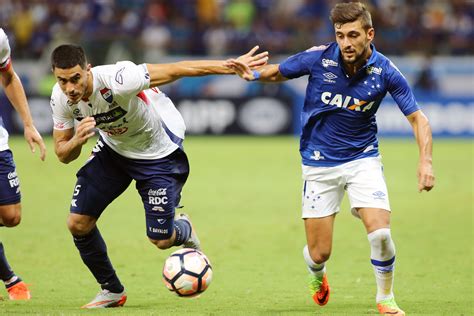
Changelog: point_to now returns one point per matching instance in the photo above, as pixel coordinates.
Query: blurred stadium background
(431, 41)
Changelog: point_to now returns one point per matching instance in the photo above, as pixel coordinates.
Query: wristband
(256, 75)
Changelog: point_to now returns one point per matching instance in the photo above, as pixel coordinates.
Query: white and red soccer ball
(187, 272)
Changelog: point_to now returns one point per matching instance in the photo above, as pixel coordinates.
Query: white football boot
(193, 241)
(105, 299)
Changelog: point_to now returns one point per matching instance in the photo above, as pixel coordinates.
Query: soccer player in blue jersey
(141, 135)
(347, 81)
(10, 196)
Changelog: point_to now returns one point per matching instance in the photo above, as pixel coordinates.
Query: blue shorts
(107, 174)
(9, 182)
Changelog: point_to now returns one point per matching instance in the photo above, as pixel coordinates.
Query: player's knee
(381, 242)
(10, 215)
(77, 227)
(11, 219)
(380, 237)
(162, 244)
(319, 255)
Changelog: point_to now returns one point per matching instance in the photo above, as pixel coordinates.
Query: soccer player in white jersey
(141, 135)
(10, 197)
(347, 81)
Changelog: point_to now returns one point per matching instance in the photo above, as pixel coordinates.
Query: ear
(89, 66)
(371, 34)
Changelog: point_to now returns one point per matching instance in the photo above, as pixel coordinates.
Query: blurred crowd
(150, 29)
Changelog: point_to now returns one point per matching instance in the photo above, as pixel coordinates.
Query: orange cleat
(389, 307)
(319, 289)
(19, 291)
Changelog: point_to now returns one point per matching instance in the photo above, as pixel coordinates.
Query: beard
(356, 58)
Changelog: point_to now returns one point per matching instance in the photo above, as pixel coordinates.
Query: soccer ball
(187, 272)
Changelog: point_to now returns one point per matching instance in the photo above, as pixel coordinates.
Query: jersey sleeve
(401, 92)
(130, 79)
(62, 117)
(298, 65)
(4, 51)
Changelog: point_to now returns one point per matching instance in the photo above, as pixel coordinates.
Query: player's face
(73, 82)
(354, 41)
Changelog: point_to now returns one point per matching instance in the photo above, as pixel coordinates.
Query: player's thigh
(161, 193)
(366, 185)
(160, 196)
(319, 234)
(98, 183)
(374, 218)
(323, 190)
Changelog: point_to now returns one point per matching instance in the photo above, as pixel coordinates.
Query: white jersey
(4, 65)
(135, 121)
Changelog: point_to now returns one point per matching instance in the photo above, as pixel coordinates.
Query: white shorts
(323, 187)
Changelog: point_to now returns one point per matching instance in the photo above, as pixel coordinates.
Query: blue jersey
(338, 117)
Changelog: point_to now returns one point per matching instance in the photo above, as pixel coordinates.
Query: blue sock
(93, 252)
(6, 273)
(183, 231)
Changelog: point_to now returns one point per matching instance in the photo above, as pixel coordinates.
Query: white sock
(318, 269)
(383, 260)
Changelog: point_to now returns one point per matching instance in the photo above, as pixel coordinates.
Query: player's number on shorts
(77, 189)
(76, 193)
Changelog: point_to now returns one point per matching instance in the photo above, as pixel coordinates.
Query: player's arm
(423, 135)
(295, 66)
(403, 96)
(165, 73)
(16, 94)
(68, 143)
(267, 73)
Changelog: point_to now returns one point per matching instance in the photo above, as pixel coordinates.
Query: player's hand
(85, 130)
(426, 178)
(241, 69)
(33, 137)
(254, 61)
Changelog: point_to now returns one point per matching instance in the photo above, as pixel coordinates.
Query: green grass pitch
(243, 195)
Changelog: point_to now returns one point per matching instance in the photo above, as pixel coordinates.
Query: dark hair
(68, 56)
(350, 12)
